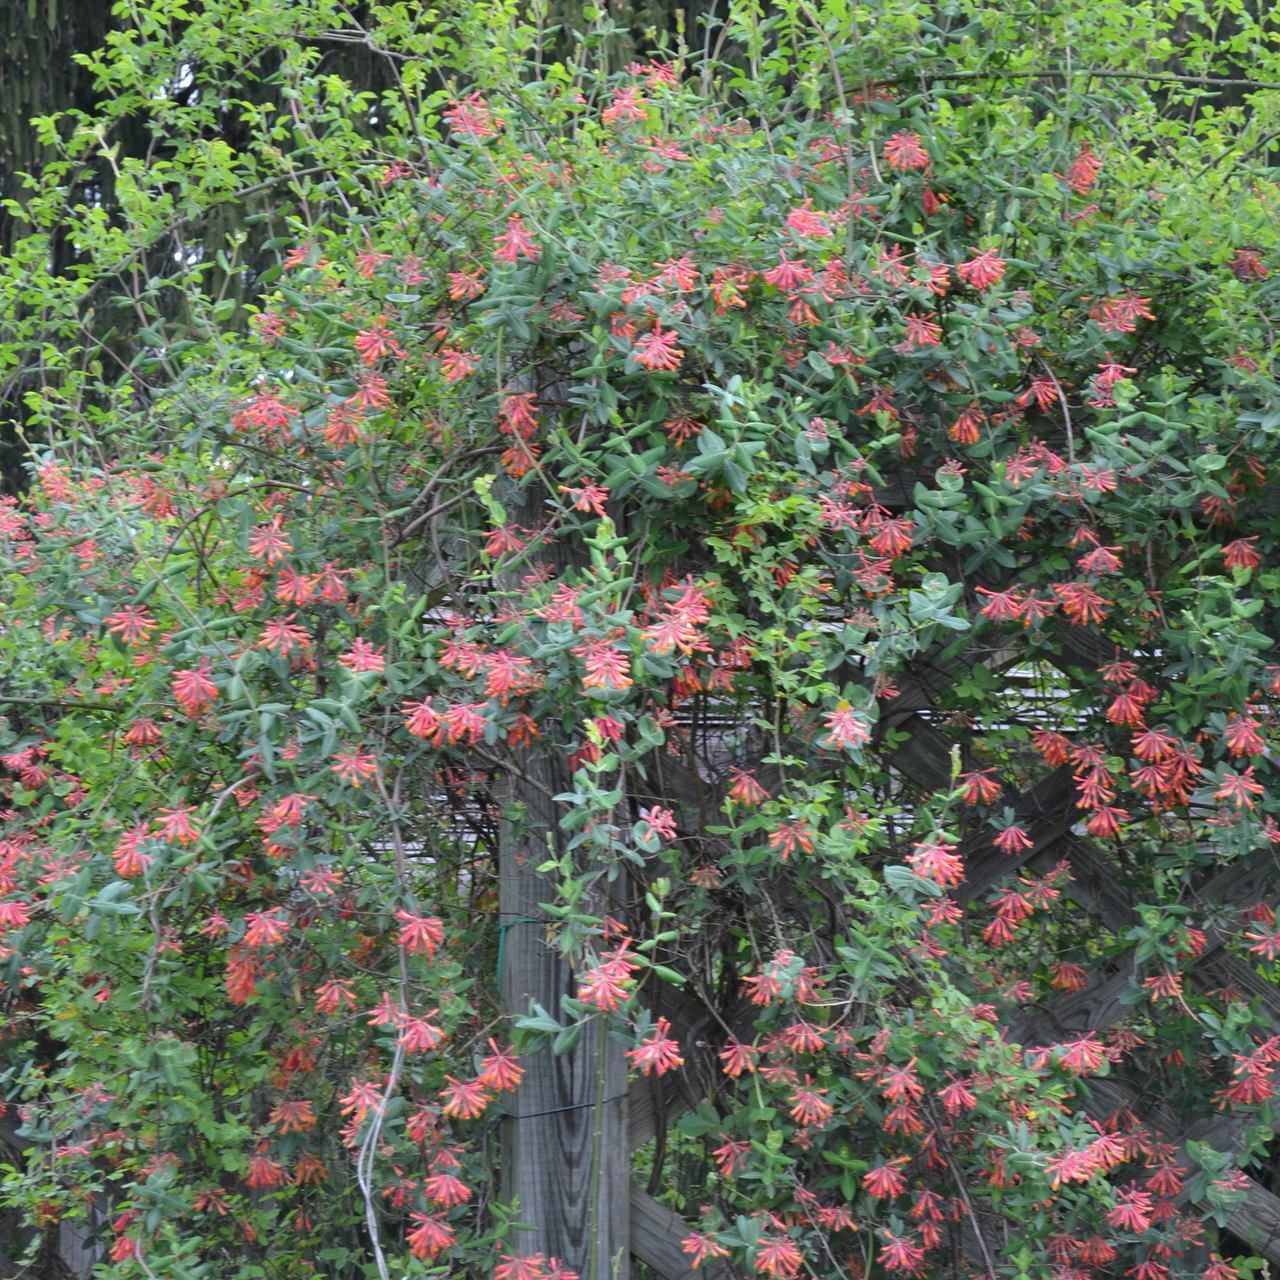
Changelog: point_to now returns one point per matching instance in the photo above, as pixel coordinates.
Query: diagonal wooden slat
(657, 1232)
(1095, 885)
(1083, 648)
(1255, 1221)
(1098, 1005)
(1222, 970)
(663, 1099)
(1045, 811)
(925, 757)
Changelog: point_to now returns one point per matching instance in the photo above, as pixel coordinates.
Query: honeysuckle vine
(672, 448)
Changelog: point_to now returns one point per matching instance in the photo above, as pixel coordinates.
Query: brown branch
(511, 767)
(62, 702)
(1100, 73)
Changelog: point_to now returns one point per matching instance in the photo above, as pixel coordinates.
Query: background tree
(48, 77)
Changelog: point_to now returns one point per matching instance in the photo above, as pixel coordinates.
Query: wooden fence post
(565, 1153)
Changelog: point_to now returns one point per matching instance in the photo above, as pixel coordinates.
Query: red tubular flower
(957, 1097)
(130, 861)
(419, 935)
(847, 728)
(515, 243)
(1067, 977)
(263, 1171)
(806, 223)
(431, 1237)
(132, 623)
(1164, 985)
(606, 667)
(1240, 788)
(886, 1181)
(701, 1246)
(1105, 821)
(778, 1258)
(808, 1106)
(331, 995)
(893, 538)
(902, 150)
(658, 1051)
(446, 1189)
(295, 1117)
(1247, 265)
(124, 1248)
(979, 788)
(602, 990)
(465, 1099)
(1083, 1055)
(176, 825)
(1153, 744)
(500, 1071)
(1242, 737)
(1084, 170)
(900, 1255)
(1219, 1270)
(983, 270)
(417, 1035)
(1133, 1212)
(901, 1084)
(921, 332)
(375, 342)
(737, 1058)
(354, 766)
(1012, 840)
(732, 1156)
(791, 837)
(745, 789)
(193, 689)
(264, 928)
(965, 430)
(1002, 606)
(936, 860)
(658, 350)
(1266, 941)
(1054, 747)
(1081, 603)
(1126, 710)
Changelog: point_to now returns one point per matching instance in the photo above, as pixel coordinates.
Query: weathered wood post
(565, 1153)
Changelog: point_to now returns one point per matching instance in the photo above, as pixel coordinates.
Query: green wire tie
(502, 938)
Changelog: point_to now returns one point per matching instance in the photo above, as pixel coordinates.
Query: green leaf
(567, 1040)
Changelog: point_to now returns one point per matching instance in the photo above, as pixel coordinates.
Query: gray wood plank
(76, 1247)
(1221, 970)
(1096, 884)
(1257, 1222)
